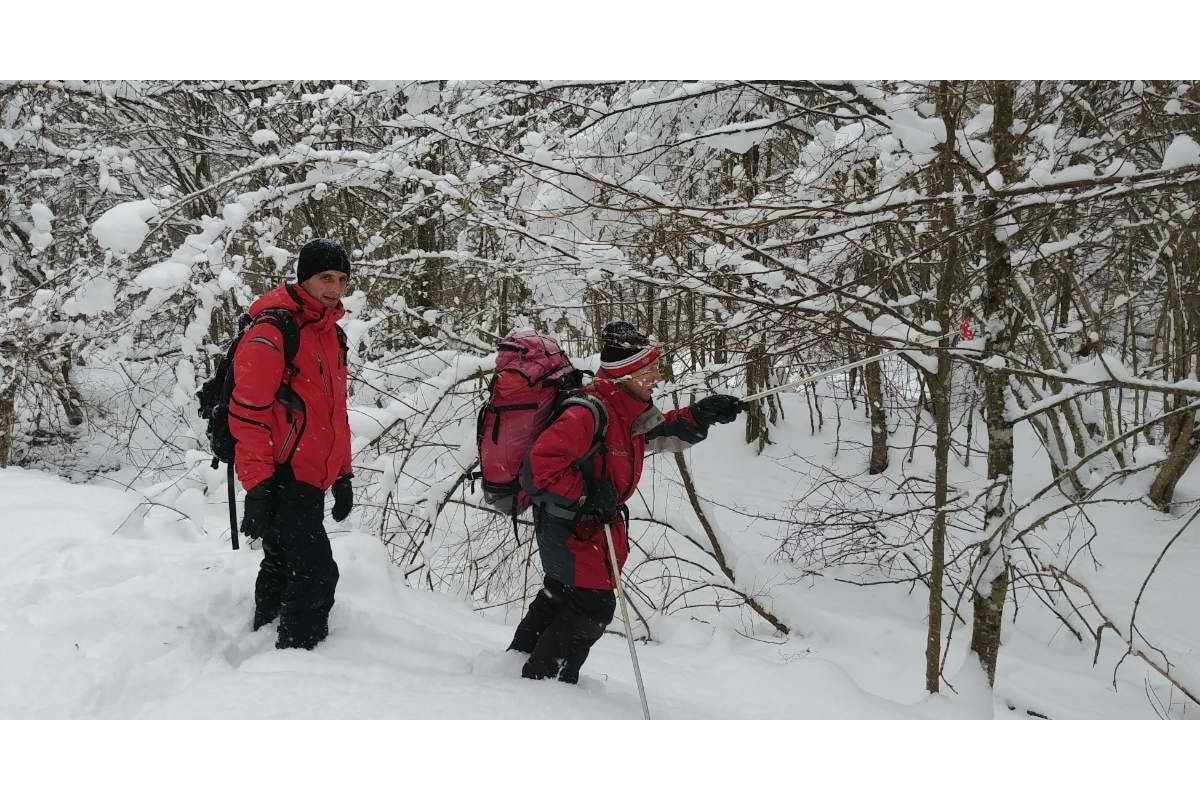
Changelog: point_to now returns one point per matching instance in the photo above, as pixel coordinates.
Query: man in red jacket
(571, 507)
(293, 443)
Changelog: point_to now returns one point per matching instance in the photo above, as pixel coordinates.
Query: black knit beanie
(320, 255)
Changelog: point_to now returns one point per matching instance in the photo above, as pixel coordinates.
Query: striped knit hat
(624, 350)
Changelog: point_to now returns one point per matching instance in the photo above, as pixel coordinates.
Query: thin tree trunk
(1180, 435)
(940, 393)
(991, 586)
(8, 418)
(879, 428)
(758, 376)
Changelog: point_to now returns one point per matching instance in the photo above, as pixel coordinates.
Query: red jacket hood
(308, 309)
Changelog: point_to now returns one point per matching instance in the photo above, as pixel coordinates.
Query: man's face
(642, 382)
(328, 286)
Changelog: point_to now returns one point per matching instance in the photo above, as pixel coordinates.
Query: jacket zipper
(287, 440)
(324, 380)
(328, 394)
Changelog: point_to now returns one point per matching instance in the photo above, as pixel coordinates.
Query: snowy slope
(113, 608)
(111, 615)
(877, 633)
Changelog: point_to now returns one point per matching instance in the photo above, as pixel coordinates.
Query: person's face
(642, 382)
(328, 286)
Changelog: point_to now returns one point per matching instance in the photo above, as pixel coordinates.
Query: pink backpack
(533, 377)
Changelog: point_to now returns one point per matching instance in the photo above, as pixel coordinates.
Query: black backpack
(215, 393)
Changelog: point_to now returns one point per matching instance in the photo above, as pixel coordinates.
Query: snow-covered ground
(115, 608)
(109, 613)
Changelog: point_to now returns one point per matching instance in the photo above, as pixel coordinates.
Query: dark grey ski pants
(560, 627)
(297, 576)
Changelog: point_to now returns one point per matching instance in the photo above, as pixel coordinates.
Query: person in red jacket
(573, 498)
(293, 443)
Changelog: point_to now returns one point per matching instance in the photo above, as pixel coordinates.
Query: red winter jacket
(576, 554)
(299, 419)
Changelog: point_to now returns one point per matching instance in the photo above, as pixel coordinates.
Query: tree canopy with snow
(1013, 478)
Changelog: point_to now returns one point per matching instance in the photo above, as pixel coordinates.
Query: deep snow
(118, 608)
(114, 614)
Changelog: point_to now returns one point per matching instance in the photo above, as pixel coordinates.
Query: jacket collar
(308, 309)
(636, 414)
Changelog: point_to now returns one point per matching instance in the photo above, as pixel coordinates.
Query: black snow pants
(298, 575)
(560, 627)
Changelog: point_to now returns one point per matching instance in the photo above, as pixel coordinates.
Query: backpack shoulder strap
(282, 319)
(244, 323)
(586, 463)
(599, 417)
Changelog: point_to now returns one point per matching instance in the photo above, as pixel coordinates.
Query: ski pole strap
(233, 531)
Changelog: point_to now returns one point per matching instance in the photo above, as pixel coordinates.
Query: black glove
(343, 498)
(717, 408)
(603, 503)
(259, 508)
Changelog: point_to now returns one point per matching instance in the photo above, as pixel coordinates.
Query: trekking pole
(815, 377)
(233, 537)
(834, 371)
(616, 573)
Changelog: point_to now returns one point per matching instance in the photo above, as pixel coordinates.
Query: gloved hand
(603, 503)
(717, 408)
(259, 508)
(343, 498)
